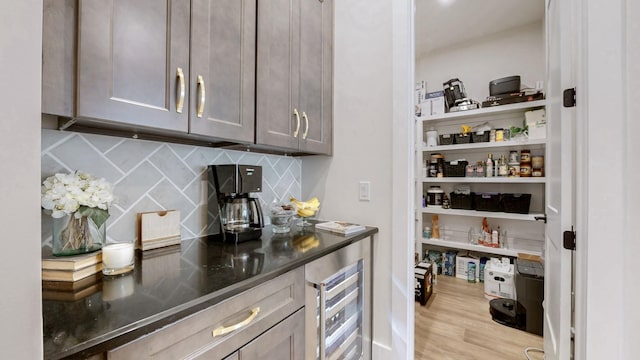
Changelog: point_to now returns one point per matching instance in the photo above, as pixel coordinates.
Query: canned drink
(471, 272)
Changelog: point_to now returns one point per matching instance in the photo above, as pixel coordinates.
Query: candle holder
(118, 257)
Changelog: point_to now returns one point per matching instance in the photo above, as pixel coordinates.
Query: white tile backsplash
(151, 176)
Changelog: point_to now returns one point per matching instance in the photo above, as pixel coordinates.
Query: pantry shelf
(486, 180)
(479, 248)
(475, 213)
(534, 144)
(502, 109)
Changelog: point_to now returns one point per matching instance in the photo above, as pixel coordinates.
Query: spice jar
(525, 170)
(525, 157)
(537, 161)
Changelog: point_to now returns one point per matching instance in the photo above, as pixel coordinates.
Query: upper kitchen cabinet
(294, 75)
(223, 43)
(133, 62)
(169, 67)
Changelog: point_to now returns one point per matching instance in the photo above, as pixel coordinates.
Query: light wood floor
(456, 324)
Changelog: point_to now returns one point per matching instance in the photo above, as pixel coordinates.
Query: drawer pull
(222, 330)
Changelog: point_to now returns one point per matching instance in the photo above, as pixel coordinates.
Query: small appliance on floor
(240, 214)
(526, 312)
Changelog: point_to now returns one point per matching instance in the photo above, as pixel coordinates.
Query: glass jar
(73, 235)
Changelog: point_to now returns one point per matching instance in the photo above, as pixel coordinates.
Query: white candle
(117, 258)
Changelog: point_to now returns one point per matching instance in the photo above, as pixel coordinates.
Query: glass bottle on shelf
(489, 166)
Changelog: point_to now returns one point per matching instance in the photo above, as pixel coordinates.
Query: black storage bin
(487, 201)
(484, 137)
(516, 203)
(461, 201)
(455, 170)
(446, 139)
(462, 138)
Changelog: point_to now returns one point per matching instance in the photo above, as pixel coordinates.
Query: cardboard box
(423, 282)
(462, 267)
(536, 121)
(499, 282)
(437, 103)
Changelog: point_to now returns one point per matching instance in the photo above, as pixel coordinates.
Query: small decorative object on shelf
(281, 214)
(79, 205)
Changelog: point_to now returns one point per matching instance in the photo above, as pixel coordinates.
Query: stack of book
(71, 277)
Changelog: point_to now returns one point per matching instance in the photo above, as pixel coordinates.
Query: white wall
(516, 52)
(631, 327)
(361, 142)
(20, 46)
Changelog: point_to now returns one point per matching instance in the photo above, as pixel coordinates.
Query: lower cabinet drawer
(284, 341)
(223, 328)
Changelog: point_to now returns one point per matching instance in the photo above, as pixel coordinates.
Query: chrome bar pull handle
(322, 290)
(295, 133)
(180, 90)
(202, 98)
(306, 123)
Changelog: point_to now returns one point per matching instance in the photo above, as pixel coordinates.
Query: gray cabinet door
(129, 53)
(223, 35)
(276, 75)
(294, 75)
(316, 85)
(284, 341)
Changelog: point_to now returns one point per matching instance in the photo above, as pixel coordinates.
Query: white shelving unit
(475, 213)
(527, 231)
(477, 248)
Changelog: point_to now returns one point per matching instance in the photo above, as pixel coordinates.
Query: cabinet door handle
(202, 97)
(180, 90)
(295, 112)
(322, 294)
(222, 330)
(306, 125)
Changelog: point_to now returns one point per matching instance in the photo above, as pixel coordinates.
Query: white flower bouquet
(79, 196)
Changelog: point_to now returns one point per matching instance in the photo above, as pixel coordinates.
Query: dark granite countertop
(170, 283)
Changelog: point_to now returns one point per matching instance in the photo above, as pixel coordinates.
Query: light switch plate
(364, 191)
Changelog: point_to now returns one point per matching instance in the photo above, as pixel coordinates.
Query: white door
(560, 180)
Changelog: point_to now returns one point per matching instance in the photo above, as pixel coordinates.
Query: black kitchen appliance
(526, 313)
(505, 85)
(240, 214)
(454, 92)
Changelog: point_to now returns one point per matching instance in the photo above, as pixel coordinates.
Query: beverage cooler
(338, 304)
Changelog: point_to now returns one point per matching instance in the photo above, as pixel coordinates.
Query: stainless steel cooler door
(338, 304)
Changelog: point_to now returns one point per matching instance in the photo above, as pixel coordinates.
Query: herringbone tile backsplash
(152, 176)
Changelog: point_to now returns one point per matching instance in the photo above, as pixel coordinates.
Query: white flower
(66, 193)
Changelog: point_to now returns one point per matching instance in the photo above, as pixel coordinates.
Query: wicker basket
(462, 138)
(461, 201)
(484, 137)
(516, 203)
(455, 170)
(487, 201)
(446, 139)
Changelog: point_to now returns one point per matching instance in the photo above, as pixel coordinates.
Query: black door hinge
(569, 239)
(541, 218)
(569, 97)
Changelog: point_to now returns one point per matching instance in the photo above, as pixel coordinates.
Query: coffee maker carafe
(240, 214)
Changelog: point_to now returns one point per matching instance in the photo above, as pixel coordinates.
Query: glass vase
(76, 235)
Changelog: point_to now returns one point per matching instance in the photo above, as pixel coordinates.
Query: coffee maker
(240, 214)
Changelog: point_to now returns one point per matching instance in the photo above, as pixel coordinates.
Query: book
(340, 227)
(75, 262)
(72, 286)
(70, 275)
